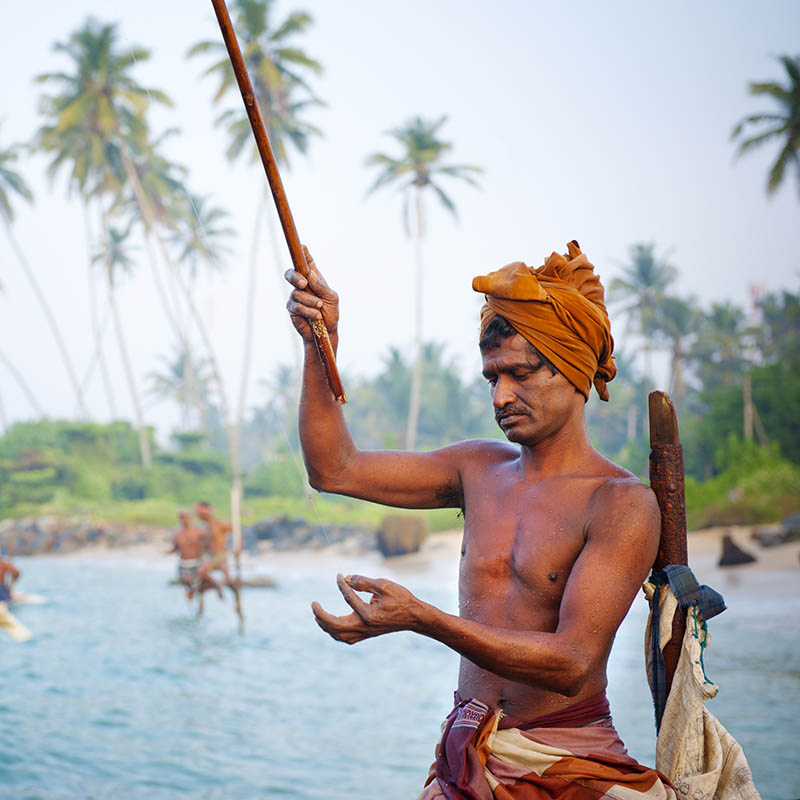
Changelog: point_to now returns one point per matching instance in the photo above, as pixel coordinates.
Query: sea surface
(123, 693)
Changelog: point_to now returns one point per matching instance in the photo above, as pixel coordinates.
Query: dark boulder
(400, 534)
(732, 554)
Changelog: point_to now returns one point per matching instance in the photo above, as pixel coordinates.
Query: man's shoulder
(621, 495)
(484, 449)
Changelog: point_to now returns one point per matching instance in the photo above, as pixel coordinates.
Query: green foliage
(755, 485)
(79, 465)
(279, 477)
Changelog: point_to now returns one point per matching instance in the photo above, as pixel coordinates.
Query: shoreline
(704, 550)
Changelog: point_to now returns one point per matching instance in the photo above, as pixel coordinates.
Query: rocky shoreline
(56, 535)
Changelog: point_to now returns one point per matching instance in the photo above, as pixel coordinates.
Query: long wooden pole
(667, 481)
(321, 338)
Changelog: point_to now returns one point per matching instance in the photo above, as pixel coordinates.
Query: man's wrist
(423, 617)
(311, 344)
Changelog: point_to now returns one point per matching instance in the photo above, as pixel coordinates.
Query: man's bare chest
(522, 540)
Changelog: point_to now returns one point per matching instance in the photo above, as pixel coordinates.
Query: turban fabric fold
(559, 308)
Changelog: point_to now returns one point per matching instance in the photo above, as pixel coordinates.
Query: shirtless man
(557, 539)
(190, 545)
(218, 551)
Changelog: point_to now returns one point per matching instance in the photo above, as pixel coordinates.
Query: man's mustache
(510, 410)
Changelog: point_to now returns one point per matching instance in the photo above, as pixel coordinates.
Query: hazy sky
(604, 122)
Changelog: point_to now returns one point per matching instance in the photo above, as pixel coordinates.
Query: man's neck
(561, 453)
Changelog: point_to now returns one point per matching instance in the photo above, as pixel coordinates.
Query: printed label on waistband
(471, 715)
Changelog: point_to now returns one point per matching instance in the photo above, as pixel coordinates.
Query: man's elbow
(316, 480)
(321, 481)
(573, 677)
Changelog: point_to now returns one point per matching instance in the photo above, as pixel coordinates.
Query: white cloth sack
(703, 761)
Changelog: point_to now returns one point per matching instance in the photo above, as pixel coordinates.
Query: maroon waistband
(577, 715)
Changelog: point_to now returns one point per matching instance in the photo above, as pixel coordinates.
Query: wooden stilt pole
(667, 481)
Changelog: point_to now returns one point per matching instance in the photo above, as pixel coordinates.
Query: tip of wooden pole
(663, 419)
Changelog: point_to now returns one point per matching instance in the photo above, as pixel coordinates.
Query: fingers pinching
(351, 598)
(363, 584)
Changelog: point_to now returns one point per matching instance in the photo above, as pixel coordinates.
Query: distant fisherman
(190, 544)
(217, 547)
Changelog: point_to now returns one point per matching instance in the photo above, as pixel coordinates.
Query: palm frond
(776, 173)
(446, 201)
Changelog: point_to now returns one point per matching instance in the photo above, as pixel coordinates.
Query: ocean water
(122, 693)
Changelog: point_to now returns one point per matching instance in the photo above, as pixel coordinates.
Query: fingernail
(319, 303)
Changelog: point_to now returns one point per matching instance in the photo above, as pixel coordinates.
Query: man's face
(530, 403)
(204, 512)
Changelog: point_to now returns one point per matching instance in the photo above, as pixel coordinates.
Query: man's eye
(491, 382)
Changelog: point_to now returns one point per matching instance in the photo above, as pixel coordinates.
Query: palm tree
(782, 124)
(98, 110)
(186, 381)
(12, 182)
(277, 71)
(159, 201)
(722, 351)
(677, 320)
(719, 350)
(639, 292)
(201, 234)
(115, 258)
(417, 168)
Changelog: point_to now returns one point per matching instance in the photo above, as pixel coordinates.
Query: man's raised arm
(333, 462)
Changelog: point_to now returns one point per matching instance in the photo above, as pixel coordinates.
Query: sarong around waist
(572, 754)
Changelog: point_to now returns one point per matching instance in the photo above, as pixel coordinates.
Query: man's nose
(503, 393)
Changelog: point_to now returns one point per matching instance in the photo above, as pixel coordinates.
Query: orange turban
(559, 309)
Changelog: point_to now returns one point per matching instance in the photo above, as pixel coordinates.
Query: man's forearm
(324, 437)
(545, 660)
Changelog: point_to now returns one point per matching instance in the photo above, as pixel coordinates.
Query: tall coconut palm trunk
(48, 313)
(279, 257)
(175, 318)
(238, 423)
(23, 385)
(416, 372)
(144, 440)
(148, 216)
(97, 333)
(677, 384)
